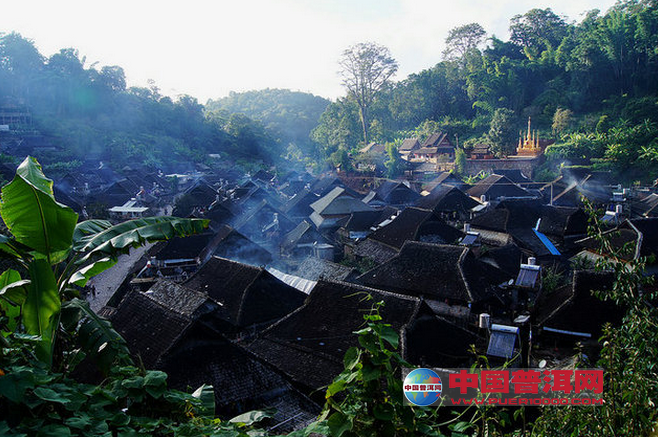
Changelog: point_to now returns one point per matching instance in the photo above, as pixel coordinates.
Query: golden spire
(529, 131)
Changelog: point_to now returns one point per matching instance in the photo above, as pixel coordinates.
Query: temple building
(529, 146)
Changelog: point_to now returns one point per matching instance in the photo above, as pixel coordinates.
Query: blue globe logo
(422, 387)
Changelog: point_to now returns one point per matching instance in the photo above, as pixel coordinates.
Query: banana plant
(57, 252)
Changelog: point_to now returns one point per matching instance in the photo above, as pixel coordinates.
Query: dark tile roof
(436, 271)
(201, 193)
(300, 204)
(446, 198)
(425, 333)
(412, 224)
(363, 220)
(261, 215)
(435, 139)
(649, 229)
(574, 308)
(235, 246)
(183, 247)
(445, 178)
(292, 187)
(148, 327)
(314, 269)
(248, 295)
(373, 148)
(627, 236)
(506, 258)
(240, 380)
(497, 186)
(513, 175)
(524, 214)
(528, 239)
(424, 167)
(263, 175)
(647, 206)
(621, 238)
(292, 238)
(222, 211)
(395, 193)
(178, 298)
(374, 250)
(323, 186)
(309, 344)
(338, 202)
(409, 144)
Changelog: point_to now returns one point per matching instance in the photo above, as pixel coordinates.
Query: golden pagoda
(528, 146)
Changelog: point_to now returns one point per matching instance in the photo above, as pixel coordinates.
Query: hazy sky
(207, 48)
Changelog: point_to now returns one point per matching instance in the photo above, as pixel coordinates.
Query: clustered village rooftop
(265, 303)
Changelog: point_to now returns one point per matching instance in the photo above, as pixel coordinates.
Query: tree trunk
(363, 112)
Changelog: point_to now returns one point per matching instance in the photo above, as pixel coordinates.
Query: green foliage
(462, 39)
(502, 132)
(338, 127)
(91, 114)
(460, 161)
(38, 395)
(287, 116)
(366, 69)
(628, 356)
(551, 279)
(561, 121)
(394, 164)
(57, 253)
(340, 159)
(130, 401)
(366, 398)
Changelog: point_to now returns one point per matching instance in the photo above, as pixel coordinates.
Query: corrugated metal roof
(546, 242)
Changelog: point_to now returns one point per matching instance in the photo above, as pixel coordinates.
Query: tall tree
(365, 69)
(462, 39)
(502, 132)
(537, 30)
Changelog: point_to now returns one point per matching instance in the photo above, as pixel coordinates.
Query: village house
(309, 344)
(436, 148)
(449, 202)
(449, 276)
(496, 188)
(248, 296)
(338, 204)
(167, 330)
(409, 145)
(392, 193)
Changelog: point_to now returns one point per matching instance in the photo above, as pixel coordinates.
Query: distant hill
(288, 116)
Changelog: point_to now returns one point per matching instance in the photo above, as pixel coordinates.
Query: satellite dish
(542, 364)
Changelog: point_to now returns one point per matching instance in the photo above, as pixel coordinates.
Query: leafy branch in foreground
(629, 354)
(41, 314)
(366, 399)
(57, 252)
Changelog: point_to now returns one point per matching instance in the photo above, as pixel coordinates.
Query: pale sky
(208, 48)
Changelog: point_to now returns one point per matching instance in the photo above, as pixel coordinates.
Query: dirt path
(109, 281)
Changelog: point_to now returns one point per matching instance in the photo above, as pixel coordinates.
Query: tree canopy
(365, 69)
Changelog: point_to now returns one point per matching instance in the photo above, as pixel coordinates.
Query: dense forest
(287, 116)
(590, 85)
(90, 114)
